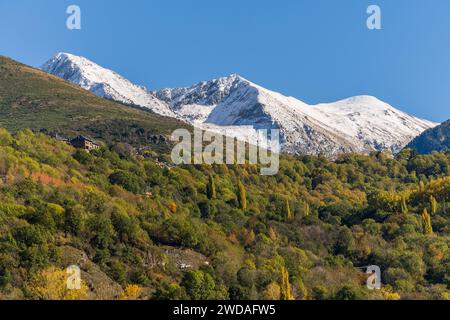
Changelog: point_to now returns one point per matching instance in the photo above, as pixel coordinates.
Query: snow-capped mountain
(357, 124)
(103, 82)
(237, 107)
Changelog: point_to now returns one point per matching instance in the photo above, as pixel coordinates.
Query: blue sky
(315, 50)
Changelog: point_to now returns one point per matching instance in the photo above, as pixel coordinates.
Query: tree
(285, 293)
(242, 196)
(74, 219)
(127, 180)
(426, 222)
(288, 210)
(272, 234)
(307, 210)
(421, 186)
(211, 188)
(131, 292)
(404, 206)
(51, 284)
(433, 204)
(198, 284)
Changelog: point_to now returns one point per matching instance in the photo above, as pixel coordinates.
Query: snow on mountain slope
(103, 82)
(358, 124)
(373, 122)
(237, 107)
(197, 102)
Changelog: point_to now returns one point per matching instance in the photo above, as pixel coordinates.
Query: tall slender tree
(433, 205)
(211, 188)
(285, 293)
(403, 205)
(421, 186)
(426, 222)
(288, 210)
(307, 210)
(242, 196)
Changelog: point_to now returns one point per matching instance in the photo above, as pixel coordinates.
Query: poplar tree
(433, 204)
(421, 186)
(426, 222)
(211, 188)
(242, 196)
(404, 206)
(307, 210)
(285, 293)
(288, 210)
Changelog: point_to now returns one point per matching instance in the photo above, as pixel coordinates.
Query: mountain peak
(356, 124)
(103, 82)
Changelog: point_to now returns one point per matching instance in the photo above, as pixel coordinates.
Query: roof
(83, 138)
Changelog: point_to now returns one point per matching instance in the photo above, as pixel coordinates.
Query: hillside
(435, 139)
(139, 231)
(30, 98)
(142, 230)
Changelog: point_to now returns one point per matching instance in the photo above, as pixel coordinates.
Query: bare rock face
(101, 287)
(185, 259)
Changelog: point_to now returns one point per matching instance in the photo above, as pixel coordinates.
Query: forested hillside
(141, 229)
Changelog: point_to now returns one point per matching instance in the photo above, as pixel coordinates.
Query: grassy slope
(30, 98)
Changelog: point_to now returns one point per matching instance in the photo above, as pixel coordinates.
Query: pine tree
(288, 210)
(433, 205)
(242, 196)
(211, 188)
(426, 222)
(285, 293)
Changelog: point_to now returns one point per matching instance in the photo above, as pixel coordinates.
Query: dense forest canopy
(140, 228)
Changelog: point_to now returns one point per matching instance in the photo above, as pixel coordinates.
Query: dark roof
(83, 138)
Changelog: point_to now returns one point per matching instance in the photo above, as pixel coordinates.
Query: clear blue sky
(315, 50)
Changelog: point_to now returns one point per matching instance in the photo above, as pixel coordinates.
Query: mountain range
(237, 107)
(434, 139)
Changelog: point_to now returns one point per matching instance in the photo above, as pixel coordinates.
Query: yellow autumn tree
(426, 222)
(242, 196)
(285, 293)
(131, 292)
(433, 205)
(52, 284)
(288, 212)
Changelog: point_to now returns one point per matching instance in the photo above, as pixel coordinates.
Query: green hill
(139, 229)
(30, 98)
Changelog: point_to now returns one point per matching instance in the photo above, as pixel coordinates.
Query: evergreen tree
(211, 188)
(426, 222)
(242, 196)
(285, 293)
(433, 204)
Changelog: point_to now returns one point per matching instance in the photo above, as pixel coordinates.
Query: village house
(81, 142)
